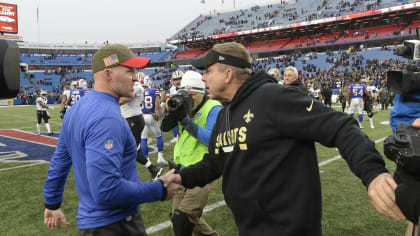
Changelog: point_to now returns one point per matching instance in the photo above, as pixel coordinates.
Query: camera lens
(173, 104)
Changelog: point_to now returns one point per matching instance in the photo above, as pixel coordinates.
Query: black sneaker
(155, 172)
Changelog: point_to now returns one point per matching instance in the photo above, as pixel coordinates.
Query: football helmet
(43, 92)
(177, 74)
(82, 84)
(140, 76)
(275, 73)
(73, 84)
(146, 81)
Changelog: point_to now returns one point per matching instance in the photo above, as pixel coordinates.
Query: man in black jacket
(263, 143)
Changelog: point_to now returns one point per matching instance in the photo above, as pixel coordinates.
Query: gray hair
(294, 71)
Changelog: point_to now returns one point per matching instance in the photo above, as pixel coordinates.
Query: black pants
(384, 105)
(343, 106)
(132, 225)
(42, 115)
(327, 102)
(368, 108)
(136, 124)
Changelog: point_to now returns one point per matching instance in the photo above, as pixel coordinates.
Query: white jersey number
(75, 98)
(357, 91)
(148, 102)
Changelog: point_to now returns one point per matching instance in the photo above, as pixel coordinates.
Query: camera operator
(195, 115)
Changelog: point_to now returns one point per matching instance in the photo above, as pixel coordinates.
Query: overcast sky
(123, 21)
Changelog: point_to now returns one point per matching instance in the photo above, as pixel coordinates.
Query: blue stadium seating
(81, 59)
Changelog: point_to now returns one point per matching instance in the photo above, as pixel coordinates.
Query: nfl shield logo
(198, 116)
(109, 144)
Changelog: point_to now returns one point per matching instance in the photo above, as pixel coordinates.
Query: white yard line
(16, 167)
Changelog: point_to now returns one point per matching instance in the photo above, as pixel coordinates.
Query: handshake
(172, 182)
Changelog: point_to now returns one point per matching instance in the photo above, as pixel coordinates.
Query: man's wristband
(52, 206)
(164, 191)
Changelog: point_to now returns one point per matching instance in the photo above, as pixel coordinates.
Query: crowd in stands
(276, 14)
(343, 67)
(321, 38)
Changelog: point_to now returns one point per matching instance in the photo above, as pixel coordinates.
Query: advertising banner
(8, 18)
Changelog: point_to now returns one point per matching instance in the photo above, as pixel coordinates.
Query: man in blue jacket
(96, 140)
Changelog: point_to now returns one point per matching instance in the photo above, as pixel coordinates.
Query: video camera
(173, 165)
(403, 147)
(180, 104)
(406, 81)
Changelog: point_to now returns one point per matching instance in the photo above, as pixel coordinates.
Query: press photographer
(191, 110)
(403, 147)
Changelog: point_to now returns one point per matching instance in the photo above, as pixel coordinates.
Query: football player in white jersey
(131, 111)
(41, 112)
(315, 92)
(176, 81)
(369, 103)
(152, 112)
(64, 99)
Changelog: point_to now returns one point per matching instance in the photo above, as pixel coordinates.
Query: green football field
(346, 207)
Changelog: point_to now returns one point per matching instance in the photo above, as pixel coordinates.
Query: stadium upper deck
(278, 16)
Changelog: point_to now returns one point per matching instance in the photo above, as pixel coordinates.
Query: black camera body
(403, 147)
(173, 165)
(181, 104)
(406, 81)
(166, 84)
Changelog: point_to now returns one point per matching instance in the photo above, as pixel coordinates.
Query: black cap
(213, 57)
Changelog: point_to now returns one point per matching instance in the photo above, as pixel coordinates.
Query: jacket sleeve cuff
(164, 191)
(371, 176)
(53, 206)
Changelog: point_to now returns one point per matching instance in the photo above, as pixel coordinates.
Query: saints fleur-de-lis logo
(248, 117)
